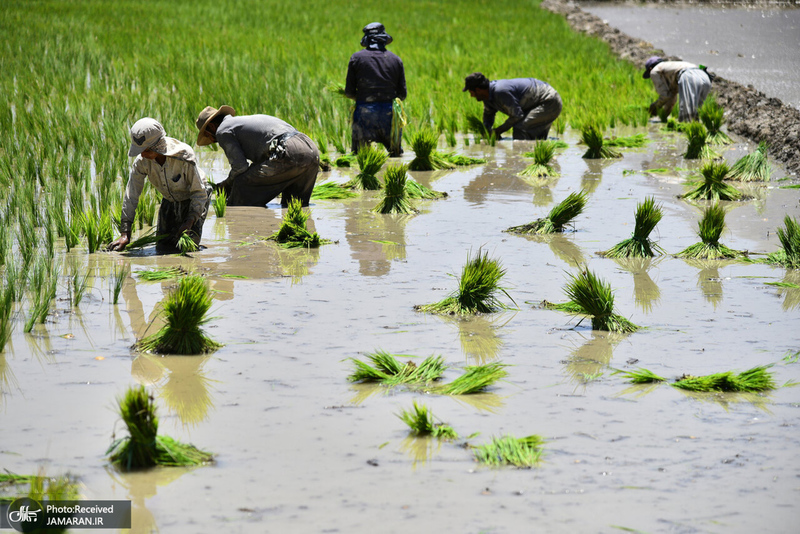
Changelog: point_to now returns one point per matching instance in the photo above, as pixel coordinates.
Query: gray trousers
(171, 216)
(537, 122)
(291, 175)
(693, 88)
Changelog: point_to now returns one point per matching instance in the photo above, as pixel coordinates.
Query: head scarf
(375, 37)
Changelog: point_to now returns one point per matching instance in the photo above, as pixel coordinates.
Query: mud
(748, 111)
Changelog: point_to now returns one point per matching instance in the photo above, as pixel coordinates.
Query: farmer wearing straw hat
(673, 78)
(268, 157)
(376, 80)
(171, 168)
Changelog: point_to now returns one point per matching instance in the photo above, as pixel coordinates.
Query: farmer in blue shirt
(531, 105)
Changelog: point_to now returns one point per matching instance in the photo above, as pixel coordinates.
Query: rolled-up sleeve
(132, 193)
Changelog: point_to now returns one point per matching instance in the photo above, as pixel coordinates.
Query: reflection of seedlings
(474, 380)
(477, 290)
(371, 158)
(648, 215)
(542, 155)
(587, 362)
(592, 137)
(387, 369)
(596, 299)
(711, 227)
(426, 157)
(508, 450)
(293, 232)
(478, 336)
(709, 280)
(560, 216)
(645, 291)
(710, 185)
(118, 280)
(220, 203)
(712, 116)
(144, 447)
(789, 288)
(415, 189)
(628, 141)
(789, 237)
(186, 390)
(185, 310)
(697, 146)
(395, 196)
(565, 250)
(752, 380)
(332, 191)
(420, 448)
(420, 421)
(158, 275)
(753, 167)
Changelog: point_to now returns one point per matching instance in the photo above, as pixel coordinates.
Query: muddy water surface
(299, 449)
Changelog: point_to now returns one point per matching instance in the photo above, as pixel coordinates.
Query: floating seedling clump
(711, 227)
(710, 185)
(387, 369)
(474, 380)
(417, 190)
(293, 232)
(789, 236)
(753, 167)
(628, 141)
(596, 299)
(648, 215)
(144, 447)
(371, 158)
(753, 380)
(561, 215)
(421, 422)
(508, 450)
(592, 137)
(712, 116)
(426, 157)
(459, 160)
(332, 191)
(159, 275)
(543, 152)
(395, 194)
(184, 310)
(477, 291)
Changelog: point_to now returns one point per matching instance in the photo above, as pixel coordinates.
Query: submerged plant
(592, 137)
(426, 157)
(79, 286)
(118, 280)
(508, 450)
(293, 232)
(596, 299)
(753, 167)
(639, 245)
(371, 158)
(561, 215)
(789, 237)
(421, 422)
(753, 380)
(712, 116)
(710, 186)
(542, 154)
(185, 311)
(144, 447)
(477, 291)
(388, 370)
(710, 227)
(474, 380)
(395, 195)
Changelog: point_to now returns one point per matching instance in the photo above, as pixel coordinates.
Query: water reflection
(587, 362)
(480, 342)
(375, 239)
(791, 295)
(708, 278)
(645, 291)
(420, 448)
(591, 178)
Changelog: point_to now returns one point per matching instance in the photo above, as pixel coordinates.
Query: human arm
(236, 158)
(509, 104)
(666, 94)
(129, 202)
(400, 89)
(351, 80)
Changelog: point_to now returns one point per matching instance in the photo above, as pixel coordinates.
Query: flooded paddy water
(300, 449)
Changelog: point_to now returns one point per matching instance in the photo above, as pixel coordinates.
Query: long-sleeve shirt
(177, 180)
(665, 80)
(514, 97)
(247, 137)
(375, 76)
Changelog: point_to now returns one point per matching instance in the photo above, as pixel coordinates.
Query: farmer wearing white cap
(673, 78)
(268, 157)
(171, 168)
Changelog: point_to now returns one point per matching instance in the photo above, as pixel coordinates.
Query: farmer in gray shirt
(531, 105)
(268, 157)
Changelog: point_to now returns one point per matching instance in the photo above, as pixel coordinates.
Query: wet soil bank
(749, 112)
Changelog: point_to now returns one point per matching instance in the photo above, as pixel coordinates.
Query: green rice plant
(72, 235)
(421, 422)
(477, 291)
(710, 185)
(186, 244)
(147, 207)
(146, 239)
(639, 245)
(460, 160)
(293, 232)
(474, 380)
(220, 202)
(542, 153)
(7, 322)
(27, 240)
(596, 299)
(630, 141)
(416, 190)
(698, 144)
(673, 125)
(118, 280)
(753, 380)
(185, 312)
(143, 447)
(388, 370)
(592, 137)
(395, 196)
(789, 236)
(753, 167)
(476, 126)
(508, 450)
(159, 275)
(332, 191)
(640, 376)
(426, 157)
(712, 116)
(567, 307)
(43, 284)
(371, 158)
(561, 215)
(79, 286)
(345, 160)
(90, 224)
(710, 228)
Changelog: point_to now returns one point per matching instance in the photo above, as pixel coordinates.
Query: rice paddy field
(298, 447)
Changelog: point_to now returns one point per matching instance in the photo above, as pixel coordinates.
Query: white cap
(146, 134)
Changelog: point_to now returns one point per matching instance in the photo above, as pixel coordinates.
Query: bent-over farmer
(673, 78)
(531, 105)
(171, 168)
(268, 157)
(375, 77)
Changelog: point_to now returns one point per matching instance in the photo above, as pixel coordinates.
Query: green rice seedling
(147, 208)
(567, 307)
(345, 160)
(421, 422)
(293, 232)
(753, 380)
(146, 239)
(630, 141)
(387, 369)
(90, 224)
(664, 114)
(426, 157)
(710, 185)
(220, 203)
(332, 191)
(159, 275)
(561, 215)
(475, 125)
(6, 319)
(712, 116)
(592, 137)
(543, 152)
(753, 167)
(597, 300)
(697, 146)
(640, 376)
(143, 447)
(477, 291)
(710, 229)
(186, 244)
(474, 380)
(27, 240)
(79, 286)
(789, 236)
(371, 158)
(43, 288)
(648, 214)
(460, 160)
(508, 450)
(395, 197)
(416, 190)
(118, 280)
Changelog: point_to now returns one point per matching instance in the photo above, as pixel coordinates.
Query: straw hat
(205, 117)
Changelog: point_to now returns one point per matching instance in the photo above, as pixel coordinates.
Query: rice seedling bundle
(648, 215)
(712, 116)
(220, 202)
(630, 141)
(789, 237)
(371, 158)
(293, 232)
(474, 380)
(753, 167)
(753, 380)
(186, 244)
(477, 291)
(158, 275)
(475, 125)
(345, 160)
(388, 370)
(48, 489)
(596, 299)
(561, 215)
(710, 185)
(426, 157)
(697, 146)
(395, 197)
(421, 422)
(415, 189)
(143, 447)
(184, 310)
(711, 227)
(460, 160)
(146, 239)
(592, 137)
(332, 191)
(508, 450)
(543, 152)
(567, 307)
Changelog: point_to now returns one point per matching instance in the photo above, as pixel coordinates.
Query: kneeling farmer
(171, 167)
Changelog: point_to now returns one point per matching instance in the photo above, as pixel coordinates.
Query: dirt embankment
(748, 112)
